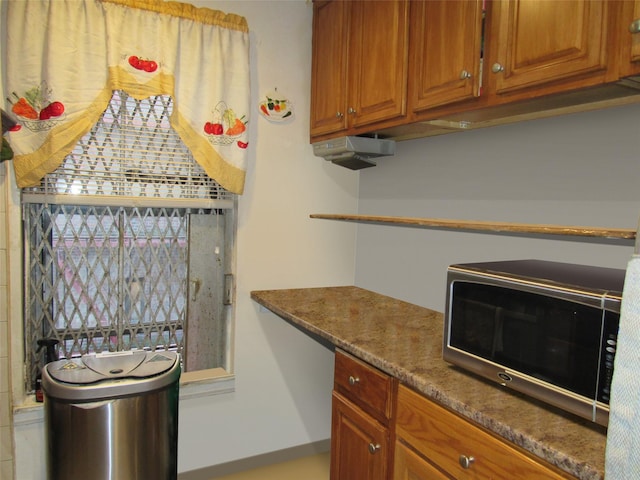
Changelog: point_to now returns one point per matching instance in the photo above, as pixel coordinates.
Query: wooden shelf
(488, 227)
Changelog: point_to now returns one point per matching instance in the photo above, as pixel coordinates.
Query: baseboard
(258, 461)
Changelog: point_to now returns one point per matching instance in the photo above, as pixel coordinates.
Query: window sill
(202, 383)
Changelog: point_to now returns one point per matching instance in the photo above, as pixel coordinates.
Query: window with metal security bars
(103, 275)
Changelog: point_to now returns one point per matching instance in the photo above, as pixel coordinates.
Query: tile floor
(314, 467)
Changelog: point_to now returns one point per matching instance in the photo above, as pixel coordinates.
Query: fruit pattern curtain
(65, 57)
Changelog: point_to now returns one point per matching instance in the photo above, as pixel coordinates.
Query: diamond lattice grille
(105, 278)
(132, 152)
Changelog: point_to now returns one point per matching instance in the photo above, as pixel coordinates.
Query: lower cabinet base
(384, 431)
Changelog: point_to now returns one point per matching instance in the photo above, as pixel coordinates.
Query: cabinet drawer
(448, 441)
(365, 386)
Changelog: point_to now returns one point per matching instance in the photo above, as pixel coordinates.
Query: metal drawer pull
(465, 462)
(373, 448)
(353, 380)
(635, 26)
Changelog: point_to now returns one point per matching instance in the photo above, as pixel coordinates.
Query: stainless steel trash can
(112, 416)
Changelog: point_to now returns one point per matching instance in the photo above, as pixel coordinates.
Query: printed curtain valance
(66, 57)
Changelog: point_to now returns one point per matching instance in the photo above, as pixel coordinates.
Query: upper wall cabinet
(445, 52)
(359, 67)
(629, 29)
(329, 67)
(534, 44)
(454, 65)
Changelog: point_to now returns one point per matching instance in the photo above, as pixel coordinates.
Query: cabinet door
(378, 50)
(410, 466)
(629, 27)
(329, 67)
(536, 42)
(359, 444)
(444, 52)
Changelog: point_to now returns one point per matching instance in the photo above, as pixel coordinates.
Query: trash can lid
(112, 373)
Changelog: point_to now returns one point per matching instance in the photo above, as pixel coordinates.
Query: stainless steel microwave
(546, 329)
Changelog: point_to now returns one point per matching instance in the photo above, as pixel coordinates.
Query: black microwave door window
(521, 339)
(557, 353)
(573, 347)
(554, 340)
(474, 330)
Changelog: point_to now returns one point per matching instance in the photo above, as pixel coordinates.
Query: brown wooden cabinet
(329, 67)
(448, 66)
(359, 64)
(628, 27)
(381, 430)
(536, 47)
(360, 445)
(430, 438)
(445, 51)
(362, 411)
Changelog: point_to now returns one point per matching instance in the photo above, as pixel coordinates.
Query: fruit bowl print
(225, 127)
(222, 139)
(40, 125)
(35, 110)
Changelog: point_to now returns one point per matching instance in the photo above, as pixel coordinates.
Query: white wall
(579, 169)
(283, 378)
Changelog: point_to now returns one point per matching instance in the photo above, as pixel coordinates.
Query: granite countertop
(405, 341)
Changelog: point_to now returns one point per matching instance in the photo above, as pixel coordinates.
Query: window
(129, 246)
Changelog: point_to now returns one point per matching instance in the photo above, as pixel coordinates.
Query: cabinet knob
(634, 27)
(465, 462)
(339, 114)
(353, 380)
(351, 111)
(464, 74)
(497, 68)
(373, 448)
